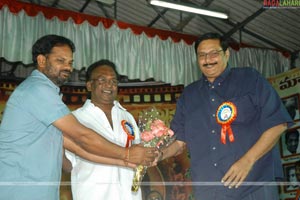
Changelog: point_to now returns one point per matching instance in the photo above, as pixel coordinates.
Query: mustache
(207, 64)
(66, 71)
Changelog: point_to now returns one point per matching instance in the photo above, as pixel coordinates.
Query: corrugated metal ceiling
(248, 23)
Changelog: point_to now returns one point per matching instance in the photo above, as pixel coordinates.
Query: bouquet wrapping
(154, 133)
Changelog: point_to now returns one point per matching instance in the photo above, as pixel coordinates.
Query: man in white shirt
(103, 114)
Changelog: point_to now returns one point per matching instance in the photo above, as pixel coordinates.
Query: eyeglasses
(211, 54)
(101, 81)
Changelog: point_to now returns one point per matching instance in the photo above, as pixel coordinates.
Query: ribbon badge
(128, 128)
(225, 115)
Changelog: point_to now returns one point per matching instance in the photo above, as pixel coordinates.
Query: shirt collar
(43, 76)
(220, 78)
(116, 104)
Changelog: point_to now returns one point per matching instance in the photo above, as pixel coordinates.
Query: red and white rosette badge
(225, 115)
(128, 128)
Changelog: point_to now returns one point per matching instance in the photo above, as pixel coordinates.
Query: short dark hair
(97, 64)
(291, 132)
(224, 42)
(45, 44)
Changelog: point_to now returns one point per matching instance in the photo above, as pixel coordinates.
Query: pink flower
(155, 128)
(147, 136)
(159, 123)
(158, 132)
(170, 132)
(158, 135)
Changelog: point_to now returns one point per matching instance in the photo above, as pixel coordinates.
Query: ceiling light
(109, 2)
(188, 8)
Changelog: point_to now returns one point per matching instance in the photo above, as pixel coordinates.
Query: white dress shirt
(92, 181)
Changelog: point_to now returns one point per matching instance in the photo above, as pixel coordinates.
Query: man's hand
(66, 165)
(240, 169)
(237, 173)
(142, 155)
(158, 158)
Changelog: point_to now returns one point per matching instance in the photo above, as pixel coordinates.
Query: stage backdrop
(135, 100)
(288, 87)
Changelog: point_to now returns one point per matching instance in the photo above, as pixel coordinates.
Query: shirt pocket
(246, 109)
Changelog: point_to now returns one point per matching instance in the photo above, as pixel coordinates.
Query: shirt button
(213, 131)
(212, 99)
(219, 84)
(215, 164)
(212, 87)
(214, 148)
(213, 115)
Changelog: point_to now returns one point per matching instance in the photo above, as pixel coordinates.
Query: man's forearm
(239, 170)
(87, 139)
(265, 143)
(74, 148)
(96, 144)
(174, 149)
(104, 148)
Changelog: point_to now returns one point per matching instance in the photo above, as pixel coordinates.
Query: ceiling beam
(243, 23)
(243, 29)
(55, 3)
(101, 6)
(255, 35)
(157, 17)
(115, 10)
(277, 46)
(35, 2)
(212, 24)
(164, 18)
(185, 21)
(216, 27)
(84, 6)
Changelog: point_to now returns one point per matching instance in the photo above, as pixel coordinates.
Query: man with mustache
(230, 119)
(31, 139)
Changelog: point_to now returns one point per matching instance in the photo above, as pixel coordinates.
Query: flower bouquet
(154, 133)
